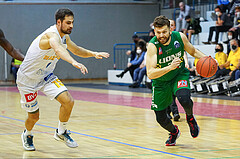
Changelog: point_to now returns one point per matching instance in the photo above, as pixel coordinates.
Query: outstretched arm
(15, 53)
(54, 42)
(190, 49)
(79, 51)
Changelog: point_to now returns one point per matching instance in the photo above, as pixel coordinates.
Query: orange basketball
(206, 66)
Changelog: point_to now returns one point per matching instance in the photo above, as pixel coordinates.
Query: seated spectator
(139, 73)
(233, 62)
(140, 52)
(132, 53)
(193, 27)
(185, 10)
(223, 24)
(15, 64)
(236, 23)
(230, 36)
(233, 5)
(220, 56)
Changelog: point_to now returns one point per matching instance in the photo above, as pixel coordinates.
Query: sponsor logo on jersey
(170, 58)
(182, 83)
(30, 97)
(176, 44)
(169, 51)
(160, 51)
(46, 57)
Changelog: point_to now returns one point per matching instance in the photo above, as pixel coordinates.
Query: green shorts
(162, 93)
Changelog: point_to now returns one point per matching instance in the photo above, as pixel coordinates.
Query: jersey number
(58, 83)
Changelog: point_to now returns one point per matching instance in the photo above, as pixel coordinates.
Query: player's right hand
(81, 67)
(175, 63)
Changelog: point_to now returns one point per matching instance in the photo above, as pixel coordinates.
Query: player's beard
(166, 40)
(68, 31)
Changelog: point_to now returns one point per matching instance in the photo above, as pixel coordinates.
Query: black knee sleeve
(164, 121)
(184, 98)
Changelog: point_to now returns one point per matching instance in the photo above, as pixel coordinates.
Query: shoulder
(183, 37)
(151, 48)
(51, 35)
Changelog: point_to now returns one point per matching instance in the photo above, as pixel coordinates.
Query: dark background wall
(97, 26)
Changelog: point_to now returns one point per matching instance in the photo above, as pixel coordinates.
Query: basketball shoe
(194, 129)
(27, 142)
(65, 138)
(173, 137)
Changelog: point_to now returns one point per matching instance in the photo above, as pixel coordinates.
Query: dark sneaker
(176, 117)
(194, 129)
(214, 42)
(27, 142)
(206, 43)
(65, 138)
(173, 137)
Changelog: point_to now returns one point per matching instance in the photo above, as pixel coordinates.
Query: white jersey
(39, 63)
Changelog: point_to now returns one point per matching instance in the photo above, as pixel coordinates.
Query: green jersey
(167, 85)
(166, 54)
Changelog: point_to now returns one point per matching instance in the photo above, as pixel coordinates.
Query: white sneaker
(65, 138)
(27, 142)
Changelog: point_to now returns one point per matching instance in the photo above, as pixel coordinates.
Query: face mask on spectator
(217, 50)
(152, 27)
(230, 37)
(233, 48)
(217, 13)
(138, 51)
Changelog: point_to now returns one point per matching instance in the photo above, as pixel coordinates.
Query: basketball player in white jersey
(36, 73)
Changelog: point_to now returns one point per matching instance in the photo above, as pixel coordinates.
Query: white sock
(26, 133)
(62, 127)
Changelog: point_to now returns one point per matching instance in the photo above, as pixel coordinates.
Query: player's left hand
(100, 55)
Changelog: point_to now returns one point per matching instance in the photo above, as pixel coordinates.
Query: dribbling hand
(175, 63)
(80, 67)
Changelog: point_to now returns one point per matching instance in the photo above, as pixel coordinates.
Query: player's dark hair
(62, 12)
(160, 21)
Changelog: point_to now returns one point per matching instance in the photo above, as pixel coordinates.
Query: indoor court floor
(111, 121)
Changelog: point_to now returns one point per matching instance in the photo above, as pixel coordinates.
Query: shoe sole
(176, 139)
(25, 148)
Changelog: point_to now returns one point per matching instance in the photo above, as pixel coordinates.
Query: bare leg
(67, 103)
(33, 117)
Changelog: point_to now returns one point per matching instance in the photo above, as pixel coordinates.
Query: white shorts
(28, 88)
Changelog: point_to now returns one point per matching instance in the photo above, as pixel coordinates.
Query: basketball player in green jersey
(166, 67)
(15, 53)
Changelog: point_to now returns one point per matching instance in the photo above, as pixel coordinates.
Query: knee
(184, 97)
(69, 102)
